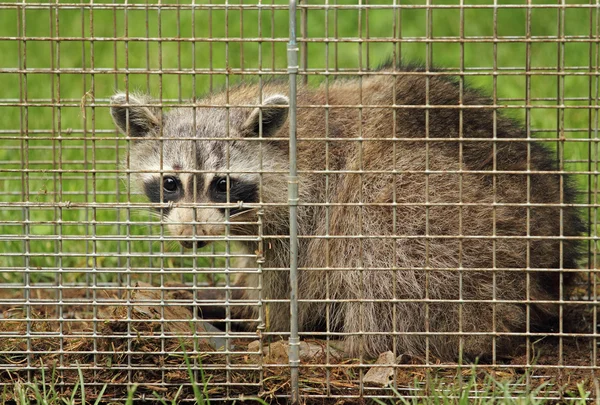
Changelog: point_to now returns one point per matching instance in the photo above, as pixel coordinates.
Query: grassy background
(58, 74)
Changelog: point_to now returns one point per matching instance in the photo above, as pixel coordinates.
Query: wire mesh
(140, 261)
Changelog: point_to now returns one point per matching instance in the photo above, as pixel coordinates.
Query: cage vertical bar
(292, 51)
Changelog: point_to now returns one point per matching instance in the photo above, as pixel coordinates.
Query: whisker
(237, 214)
(146, 212)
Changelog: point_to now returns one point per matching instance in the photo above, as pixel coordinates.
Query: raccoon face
(207, 162)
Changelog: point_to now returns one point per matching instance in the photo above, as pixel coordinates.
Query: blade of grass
(199, 396)
(99, 398)
(82, 382)
(130, 393)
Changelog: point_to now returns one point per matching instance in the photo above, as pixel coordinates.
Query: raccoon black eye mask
(238, 191)
(171, 189)
(220, 192)
(382, 229)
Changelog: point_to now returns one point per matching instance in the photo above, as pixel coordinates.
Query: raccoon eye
(170, 184)
(222, 185)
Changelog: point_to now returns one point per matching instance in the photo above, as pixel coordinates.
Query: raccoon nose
(190, 244)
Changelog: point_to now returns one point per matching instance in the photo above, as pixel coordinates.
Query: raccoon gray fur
(400, 220)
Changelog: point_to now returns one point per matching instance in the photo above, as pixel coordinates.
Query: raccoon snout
(188, 244)
(192, 227)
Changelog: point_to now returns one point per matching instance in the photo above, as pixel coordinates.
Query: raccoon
(428, 222)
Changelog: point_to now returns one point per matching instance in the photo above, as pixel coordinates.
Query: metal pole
(294, 342)
(303, 34)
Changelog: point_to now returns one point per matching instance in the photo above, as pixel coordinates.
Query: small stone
(277, 353)
(254, 346)
(380, 375)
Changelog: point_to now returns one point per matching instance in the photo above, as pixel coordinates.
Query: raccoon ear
(273, 112)
(132, 115)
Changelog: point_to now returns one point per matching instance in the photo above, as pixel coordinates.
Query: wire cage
(322, 202)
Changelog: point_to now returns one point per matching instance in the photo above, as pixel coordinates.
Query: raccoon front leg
(216, 312)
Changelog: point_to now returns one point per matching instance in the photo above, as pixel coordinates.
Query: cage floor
(119, 346)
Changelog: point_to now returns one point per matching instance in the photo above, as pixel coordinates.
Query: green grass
(84, 138)
(46, 391)
(470, 388)
(477, 389)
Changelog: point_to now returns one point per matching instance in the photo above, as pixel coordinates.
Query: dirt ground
(161, 356)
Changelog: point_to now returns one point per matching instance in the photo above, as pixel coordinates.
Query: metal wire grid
(72, 244)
